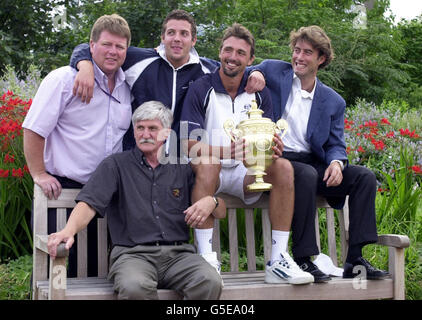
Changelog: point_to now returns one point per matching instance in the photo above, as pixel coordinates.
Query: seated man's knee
(281, 171)
(208, 287)
(207, 170)
(306, 173)
(136, 289)
(368, 176)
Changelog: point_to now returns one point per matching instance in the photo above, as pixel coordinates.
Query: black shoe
(355, 269)
(319, 276)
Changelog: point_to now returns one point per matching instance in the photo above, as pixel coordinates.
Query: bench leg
(397, 270)
(58, 279)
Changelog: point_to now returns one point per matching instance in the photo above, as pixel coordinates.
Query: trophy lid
(254, 112)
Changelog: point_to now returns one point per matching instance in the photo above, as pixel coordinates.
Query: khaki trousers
(137, 272)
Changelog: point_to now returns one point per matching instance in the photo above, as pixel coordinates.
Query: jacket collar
(218, 86)
(193, 56)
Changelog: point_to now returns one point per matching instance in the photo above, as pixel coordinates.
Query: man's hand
(238, 150)
(333, 175)
(83, 86)
(49, 185)
(55, 239)
(256, 82)
(197, 213)
(278, 147)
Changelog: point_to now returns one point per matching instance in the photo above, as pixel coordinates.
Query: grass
(15, 277)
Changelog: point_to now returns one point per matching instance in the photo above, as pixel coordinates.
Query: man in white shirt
(65, 139)
(316, 148)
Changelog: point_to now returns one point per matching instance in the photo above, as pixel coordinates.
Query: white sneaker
(211, 258)
(286, 270)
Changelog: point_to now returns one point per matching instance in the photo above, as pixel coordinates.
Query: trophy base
(259, 187)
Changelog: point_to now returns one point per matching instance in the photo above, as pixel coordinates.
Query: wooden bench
(50, 282)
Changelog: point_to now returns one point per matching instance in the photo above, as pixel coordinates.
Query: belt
(164, 243)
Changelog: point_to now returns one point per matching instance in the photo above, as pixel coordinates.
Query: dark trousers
(91, 229)
(359, 183)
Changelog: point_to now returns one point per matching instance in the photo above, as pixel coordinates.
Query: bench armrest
(40, 242)
(394, 240)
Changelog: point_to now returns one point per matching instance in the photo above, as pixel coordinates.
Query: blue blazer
(325, 131)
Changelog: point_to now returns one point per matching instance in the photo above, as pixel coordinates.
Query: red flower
(17, 173)
(370, 123)
(360, 149)
(390, 134)
(379, 145)
(385, 121)
(4, 173)
(407, 132)
(417, 169)
(9, 158)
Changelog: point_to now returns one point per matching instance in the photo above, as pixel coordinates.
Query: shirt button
(155, 202)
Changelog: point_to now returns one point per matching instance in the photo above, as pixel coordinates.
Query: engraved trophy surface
(258, 133)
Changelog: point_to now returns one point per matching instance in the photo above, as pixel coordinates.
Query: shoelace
(287, 261)
(368, 266)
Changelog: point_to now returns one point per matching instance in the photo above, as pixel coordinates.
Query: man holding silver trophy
(210, 102)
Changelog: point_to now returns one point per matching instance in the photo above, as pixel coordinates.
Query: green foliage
(15, 182)
(364, 56)
(15, 279)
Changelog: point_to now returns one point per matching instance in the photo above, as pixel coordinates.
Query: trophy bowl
(258, 133)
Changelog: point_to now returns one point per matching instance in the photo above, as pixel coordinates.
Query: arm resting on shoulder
(81, 60)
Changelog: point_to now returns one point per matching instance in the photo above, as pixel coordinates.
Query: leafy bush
(374, 135)
(15, 181)
(15, 279)
(386, 138)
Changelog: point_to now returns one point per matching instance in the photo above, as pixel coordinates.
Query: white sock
(204, 240)
(280, 241)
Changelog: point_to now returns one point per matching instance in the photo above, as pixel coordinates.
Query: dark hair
(241, 32)
(317, 38)
(180, 15)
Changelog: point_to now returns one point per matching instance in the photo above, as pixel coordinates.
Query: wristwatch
(216, 201)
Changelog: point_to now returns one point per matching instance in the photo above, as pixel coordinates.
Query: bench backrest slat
(250, 239)
(82, 237)
(233, 242)
(102, 247)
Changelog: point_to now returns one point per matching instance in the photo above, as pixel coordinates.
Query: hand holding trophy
(258, 133)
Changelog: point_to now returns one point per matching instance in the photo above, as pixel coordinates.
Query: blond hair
(114, 24)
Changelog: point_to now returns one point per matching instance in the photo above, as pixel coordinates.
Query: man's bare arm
(33, 148)
(83, 86)
(81, 215)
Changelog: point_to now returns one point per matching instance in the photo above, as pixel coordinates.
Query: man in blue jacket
(316, 148)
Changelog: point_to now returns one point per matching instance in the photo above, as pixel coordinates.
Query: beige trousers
(137, 272)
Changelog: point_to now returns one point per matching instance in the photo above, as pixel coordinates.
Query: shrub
(16, 184)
